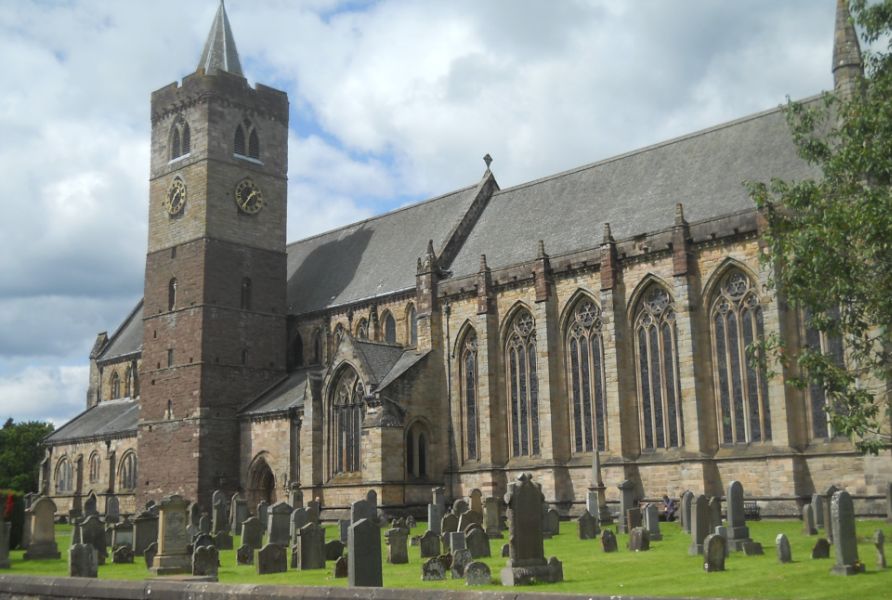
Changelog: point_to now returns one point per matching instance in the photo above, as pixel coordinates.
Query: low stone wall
(20, 587)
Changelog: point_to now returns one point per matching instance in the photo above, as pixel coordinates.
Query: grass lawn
(665, 570)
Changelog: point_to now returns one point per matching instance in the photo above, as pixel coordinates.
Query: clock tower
(215, 283)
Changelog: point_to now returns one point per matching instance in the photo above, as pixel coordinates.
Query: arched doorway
(261, 482)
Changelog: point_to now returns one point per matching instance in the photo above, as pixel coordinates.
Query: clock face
(176, 197)
(248, 197)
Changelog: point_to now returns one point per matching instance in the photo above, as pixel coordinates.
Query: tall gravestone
(586, 526)
(477, 543)
(314, 510)
(91, 505)
(652, 522)
(112, 509)
(845, 540)
(879, 544)
(626, 501)
(526, 563)
(299, 518)
(686, 499)
(397, 551)
(715, 513)
(738, 532)
(278, 528)
(362, 509)
(364, 567)
(475, 499)
(219, 514)
(782, 546)
(252, 533)
(491, 522)
(808, 520)
(93, 533)
(551, 523)
(42, 530)
(296, 496)
(238, 512)
(262, 513)
(436, 509)
(145, 531)
(311, 543)
(82, 561)
(828, 501)
(817, 503)
(173, 555)
(700, 522)
(596, 499)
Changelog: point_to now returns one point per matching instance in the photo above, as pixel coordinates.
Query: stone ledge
(22, 587)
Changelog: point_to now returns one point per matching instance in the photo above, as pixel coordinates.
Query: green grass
(665, 570)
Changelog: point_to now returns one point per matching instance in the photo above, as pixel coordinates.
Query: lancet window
(94, 468)
(389, 328)
(832, 346)
(345, 422)
(64, 480)
(585, 361)
(246, 142)
(127, 472)
(411, 326)
(470, 409)
(523, 385)
(180, 139)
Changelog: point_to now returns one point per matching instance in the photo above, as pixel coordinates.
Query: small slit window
(172, 294)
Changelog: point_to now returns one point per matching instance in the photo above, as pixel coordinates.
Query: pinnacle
(220, 53)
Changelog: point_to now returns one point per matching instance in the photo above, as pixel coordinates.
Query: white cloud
(44, 393)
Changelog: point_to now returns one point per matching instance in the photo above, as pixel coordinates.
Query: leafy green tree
(20, 454)
(829, 240)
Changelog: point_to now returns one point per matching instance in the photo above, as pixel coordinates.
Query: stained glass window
(588, 405)
(345, 422)
(469, 391)
(523, 385)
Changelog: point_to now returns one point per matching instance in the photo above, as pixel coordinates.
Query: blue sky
(391, 102)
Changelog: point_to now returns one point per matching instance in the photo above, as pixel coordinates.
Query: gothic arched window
(523, 385)
(345, 422)
(135, 374)
(115, 385)
(172, 294)
(470, 409)
(416, 451)
(660, 398)
(832, 346)
(253, 144)
(94, 467)
(585, 361)
(128, 382)
(127, 472)
(362, 330)
(239, 142)
(389, 328)
(317, 347)
(742, 391)
(411, 326)
(337, 336)
(296, 352)
(246, 142)
(63, 475)
(180, 139)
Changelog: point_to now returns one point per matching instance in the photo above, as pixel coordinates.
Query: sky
(391, 102)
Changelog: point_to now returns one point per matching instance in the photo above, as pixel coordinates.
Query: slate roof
(379, 358)
(635, 192)
(127, 339)
(219, 49)
(372, 257)
(109, 417)
(406, 361)
(287, 393)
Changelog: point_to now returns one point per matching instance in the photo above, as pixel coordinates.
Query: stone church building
(457, 341)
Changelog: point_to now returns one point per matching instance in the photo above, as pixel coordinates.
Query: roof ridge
(656, 146)
(121, 327)
(382, 215)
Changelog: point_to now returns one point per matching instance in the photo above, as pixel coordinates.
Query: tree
(829, 240)
(20, 454)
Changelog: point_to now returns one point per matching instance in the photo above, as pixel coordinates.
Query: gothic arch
(411, 325)
(504, 326)
(344, 411)
(261, 481)
(94, 468)
(468, 374)
(719, 273)
(521, 365)
(583, 351)
(463, 330)
(388, 327)
(417, 449)
(570, 305)
(640, 288)
(128, 472)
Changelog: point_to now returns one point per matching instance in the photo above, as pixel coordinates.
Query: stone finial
(541, 250)
(847, 68)
(483, 265)
(608, 236)
(488, 160)
(679, 214)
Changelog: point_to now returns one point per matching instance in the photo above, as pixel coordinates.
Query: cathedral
(457, 342)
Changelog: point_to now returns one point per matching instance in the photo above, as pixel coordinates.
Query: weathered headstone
(738, 532)
(460, 506)
(203, 539)
(296, 496)
(506, 551)
(551, 522)
(271, 559)
(821, 549)
(714, 551)
(477, 573)
(172, 557)
(608, 541)
(343, 529)
(204, 523)
(5, 530)
(845, 541)
(477, 543)
(252, 533)
(263, 513)
(112, 509)
(314, 510)
(334, 550)
(685, 521)
(817, 504)
(82, 561)
(527, 562)
(434, 569)
(364, 555)
(205, 561)
(633, 518)
(626, 501)
(808, 520)
(361, 509)
(491, 523)
(652, 522)
(238, 512)
(700, 521)
(469, 517)
(782, 545)
(42, 530)
(122, 534)
(639, 540)
(149, 554)
(93, 533)
(460, 560)
(278, 529)
(436, 509)
(456, 540)
(122, 555)
(715, 512)
(752, 548)
(448, 523)
(244, 555)
(312, 547)
(429, 544)
(91, 505)
(475, 500)
(299, 518)
(340, 568)
(879, 542)
(828, 504)
(219, 513)
(223, 540)
(397, 550)
(586, 526)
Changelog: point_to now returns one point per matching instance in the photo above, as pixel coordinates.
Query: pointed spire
(219, 52)
(847, 66)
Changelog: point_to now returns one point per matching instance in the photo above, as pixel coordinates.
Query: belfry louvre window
(246, 142)
(523, 385)
(585, 360)
(468, 370)
(180, 139)
(742, 391)
(345, 422)
(659, 396)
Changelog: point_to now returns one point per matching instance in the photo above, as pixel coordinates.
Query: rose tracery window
(523, 385)
(744, 413)
(657, 365)
(345, 422)
(586, 365)
(468, 370)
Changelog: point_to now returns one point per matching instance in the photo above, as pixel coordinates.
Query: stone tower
(215, 285)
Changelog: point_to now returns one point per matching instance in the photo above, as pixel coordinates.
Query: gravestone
(738, 532)
(460, 506)
(311, 544)
(551, 522)
(845, 541)
(686, 499)
(715, 549)
(122, 535)
(343, 528)
(223, 540)
(879, 542)
(821, 549)
(436, 509)
(527, 562)
(219, 513)
(715, 512)
(429, 544)
(149, 554)
(652, 522)
(252, 533)
(153, 507)
(334, 549)
(238, 512)
(817, 504)
(506, 551)
(477, 573)
(477, 543)
(361, 509)
(122, 555)
(314, 510)
(460, 560)
(194, 513)
(633, 518)
(475, 501)
(204, 523)
(639, 540)
(828, 500)
(340, 568)
(700, 520)
(296, 496)
(299, 519)
(782, 545)
(112, 509)
(752, 548)
(278, 528)
(203, 539)
(93, 533)
(205, 561)
(448, 523)
(608, 541)
(82, 561)
(364, 555)
(626, 501)
(808, 520)
(456, 541)
(172, 557)
(397, 550)
(262, 513)
(245, 554)
(434, 569)
(91, 505)
(491, 523)
(586, 526)
(469, 517)
(271, 559)
(218, 497)
(42, 530)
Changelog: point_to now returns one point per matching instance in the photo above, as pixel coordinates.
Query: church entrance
(261, 483)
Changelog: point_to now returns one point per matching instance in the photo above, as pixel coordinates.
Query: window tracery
(585, 361)
(94, 468)
(468, 376)
(127, 476)
(523, 385)
(362, 329)
(180, 139)
(246, 141)
(345, 422)
(831, 346)
(64, 480)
